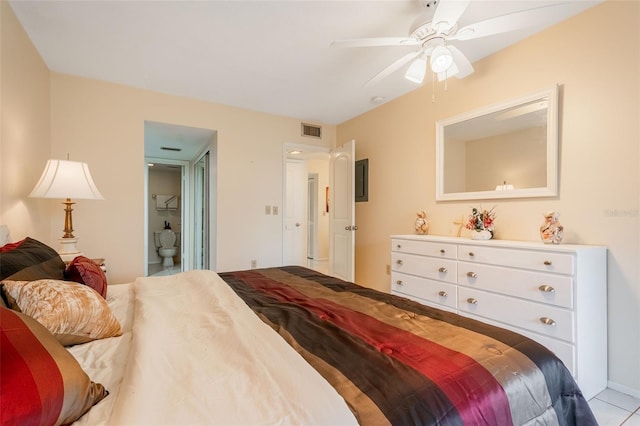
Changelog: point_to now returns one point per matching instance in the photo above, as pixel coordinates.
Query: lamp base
(68, 250)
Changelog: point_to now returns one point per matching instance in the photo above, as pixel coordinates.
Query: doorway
(166, 186)
(311, 247)
(190, 154)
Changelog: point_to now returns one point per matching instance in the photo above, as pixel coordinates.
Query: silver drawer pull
(547, 321)
(442, 293)
(442, 251)
(546, 288)
(472, 274)
(472, 301)
(399, 282)
(443, 270)
(471, 254)
(548, 262)
(399, 261)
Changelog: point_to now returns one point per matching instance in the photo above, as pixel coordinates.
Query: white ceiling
(170, 141)
(270, 56)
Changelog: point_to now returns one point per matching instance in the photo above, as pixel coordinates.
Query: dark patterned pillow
(31, 260)
(41, 382)
(85, 271)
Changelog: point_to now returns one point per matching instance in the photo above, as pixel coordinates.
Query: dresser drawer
(434, 249)
(424, 266)
(537, 286)
(437, 292)
(543, 261)
(563, 350)
(518, 313)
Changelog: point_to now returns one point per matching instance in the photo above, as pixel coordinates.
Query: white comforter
(199, 356)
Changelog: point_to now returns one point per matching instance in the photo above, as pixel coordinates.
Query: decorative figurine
(422, 226)
(551, 231)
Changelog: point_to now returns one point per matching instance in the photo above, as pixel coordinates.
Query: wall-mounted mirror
(507, 150)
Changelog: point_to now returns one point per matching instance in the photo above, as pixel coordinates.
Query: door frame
(186, 207)
(286, 148)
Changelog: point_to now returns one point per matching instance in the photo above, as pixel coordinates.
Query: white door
(295, 236)
(342, 225)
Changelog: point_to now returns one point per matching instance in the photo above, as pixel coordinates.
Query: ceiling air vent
(311, 130)
(168, 148)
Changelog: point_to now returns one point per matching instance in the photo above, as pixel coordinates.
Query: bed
(292, 346)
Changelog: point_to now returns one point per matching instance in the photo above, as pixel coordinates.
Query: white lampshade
(416, 70)
(66, 179)
(441, 59)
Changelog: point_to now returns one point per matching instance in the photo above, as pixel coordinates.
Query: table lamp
(66, 180)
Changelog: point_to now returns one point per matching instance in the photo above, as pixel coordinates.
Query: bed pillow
(10, 246)
(72, 312)
(31, 260)
(40, 381)
(85, 271)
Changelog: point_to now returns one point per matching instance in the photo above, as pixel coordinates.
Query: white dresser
(554, 294)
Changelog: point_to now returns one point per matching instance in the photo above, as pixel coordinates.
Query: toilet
(166, 244)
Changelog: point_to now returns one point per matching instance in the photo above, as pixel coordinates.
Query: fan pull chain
(433, 87)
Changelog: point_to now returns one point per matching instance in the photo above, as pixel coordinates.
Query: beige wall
(103, 124)
(25, 132)
(599, 158)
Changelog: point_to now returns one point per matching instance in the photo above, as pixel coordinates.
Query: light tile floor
(157, 269)
(613, 408)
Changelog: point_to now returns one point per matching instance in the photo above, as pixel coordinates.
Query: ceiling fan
(432, 30)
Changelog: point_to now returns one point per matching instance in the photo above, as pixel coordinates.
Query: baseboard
(624, 389)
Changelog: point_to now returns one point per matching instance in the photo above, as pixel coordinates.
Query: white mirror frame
(551, 190)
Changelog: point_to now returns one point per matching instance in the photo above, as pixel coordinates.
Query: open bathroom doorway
(184, 165)
(166, 180)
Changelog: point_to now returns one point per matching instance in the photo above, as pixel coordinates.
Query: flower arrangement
(480, 220)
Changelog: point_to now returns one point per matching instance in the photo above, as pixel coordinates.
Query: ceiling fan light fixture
(441, 59)
(415, 72)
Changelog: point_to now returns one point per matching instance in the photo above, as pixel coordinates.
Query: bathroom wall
(163, 182)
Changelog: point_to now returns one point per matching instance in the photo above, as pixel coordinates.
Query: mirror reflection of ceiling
(510, 120)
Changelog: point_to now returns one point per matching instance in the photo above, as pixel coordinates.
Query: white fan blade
(447, 13)
(511, 22)
(464, 66)
(376, 41)
(392, 68)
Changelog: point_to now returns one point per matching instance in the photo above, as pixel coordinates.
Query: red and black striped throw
(395, 361)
